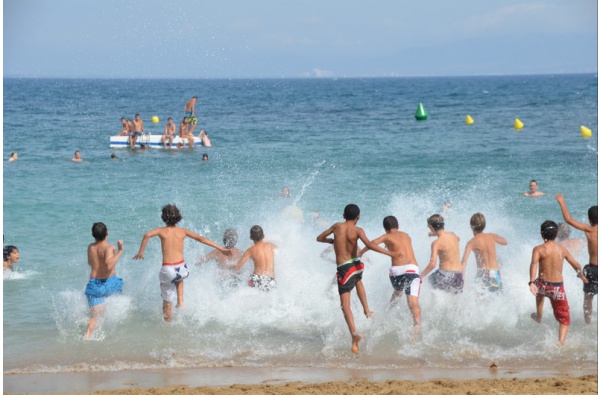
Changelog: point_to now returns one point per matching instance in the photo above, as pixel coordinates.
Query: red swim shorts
(558, 298)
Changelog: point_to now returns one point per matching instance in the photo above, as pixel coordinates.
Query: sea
(332, 142)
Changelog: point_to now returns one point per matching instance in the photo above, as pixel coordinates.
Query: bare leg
(562, 334)
(415, 309)
(588, 299)
(362, 296)
(95, 312)
(179, 287)
(395, 298)
(539, 305)
(164, 141)
(345, 301)
(167, 310)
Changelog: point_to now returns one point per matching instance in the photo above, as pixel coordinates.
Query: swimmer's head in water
(256, 233)
(99, 231)
(8, 250)
(351, 212)
(171, 215)
(436, 221)
(593, 215)
(478, 222)
(549, 230)
(390, 222)
(230, 238)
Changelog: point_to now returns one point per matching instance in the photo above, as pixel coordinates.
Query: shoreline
(139, 381)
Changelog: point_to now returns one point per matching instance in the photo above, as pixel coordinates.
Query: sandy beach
(307, 381)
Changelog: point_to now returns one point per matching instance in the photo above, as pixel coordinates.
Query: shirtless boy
(174, 269)
(483, 246)
(349, 267)
(138, 130)
(183, 133)
(404, 272)
(103, 277)
(549, 257)
(590, 271)
(533, 190)
(449, 277)
(189, 109)
(125, 130)
(10, 256)
(230, 238)
(262, 254)
(169, 133)
(77, 157)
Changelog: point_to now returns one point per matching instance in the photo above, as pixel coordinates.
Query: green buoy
(421, 113)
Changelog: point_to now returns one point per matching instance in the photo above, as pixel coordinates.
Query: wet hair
(256, 233)
(593, 215)
(194, 97)
(12, 154)
(549, 230)
(113, 156)
(533, 181)
(170, 215)
(563, 231)
(390, 222)
(7, 251)
(99, 231)
(230, 238)
(436, 221)
(478, 222)
(351, 212)
(77, 152)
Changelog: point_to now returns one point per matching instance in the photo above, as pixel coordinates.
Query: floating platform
(151, 141)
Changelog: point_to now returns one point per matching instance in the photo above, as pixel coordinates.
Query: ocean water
(332, 142)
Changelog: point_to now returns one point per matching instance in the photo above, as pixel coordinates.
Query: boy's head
(436, 222)
(351, 212)
(99, 231)
(256, 233)
(7, 251)
(593, 215)
(563, 231)
(390, 222)
(230, 238)
(478, 222)
(171, 215)
(549, 230)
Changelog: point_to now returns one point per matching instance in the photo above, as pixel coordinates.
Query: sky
(293, 38)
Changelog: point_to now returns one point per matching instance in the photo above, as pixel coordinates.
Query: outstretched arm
(500, 240)
(567, 215)
(208, 242)
(372, 246)
(145, 239)
(205, 258)
(376, 241)
(243, 259)
(575, 265)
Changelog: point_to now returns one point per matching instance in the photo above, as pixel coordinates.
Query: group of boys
(545, 270)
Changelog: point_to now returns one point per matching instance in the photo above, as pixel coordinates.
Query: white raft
(151, 141)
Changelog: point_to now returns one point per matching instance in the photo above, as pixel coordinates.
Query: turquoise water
(332, 142)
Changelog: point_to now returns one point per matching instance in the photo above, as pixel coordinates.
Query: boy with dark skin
(483, 246)
(404, 273)
(449, 277)
(262, 254)
(590, 271)
(103, 279)
(349, 267)
(174, 269)
(549, 257)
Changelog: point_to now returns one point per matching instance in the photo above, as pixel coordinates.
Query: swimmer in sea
(174, 269)
(262, 254)
(10, 257)
(449, 277)
(77, 157)
(548, 280)
(483, 246)
(13, 157)
(533, 190)
(404, 272)
(349, 266)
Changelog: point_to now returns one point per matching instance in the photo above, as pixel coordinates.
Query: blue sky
(278, 38)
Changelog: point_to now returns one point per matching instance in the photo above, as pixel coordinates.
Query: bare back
(399, 242)
(483, 246)
(448, 251)
(99, 259)
(171, 242)
(346, 235)
(592, 242)
(550, 256)
(263, 255)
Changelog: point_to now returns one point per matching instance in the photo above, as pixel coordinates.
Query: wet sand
(307, 381)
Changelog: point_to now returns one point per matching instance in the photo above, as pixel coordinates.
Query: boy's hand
(138, 256)
(533, 289)
(120, 244)
(227, 252)
(560, 198)
(583, 278)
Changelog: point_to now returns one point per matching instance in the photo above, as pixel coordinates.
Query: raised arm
(145, 239)
(432, 260)
(567, 215)
(500, 240)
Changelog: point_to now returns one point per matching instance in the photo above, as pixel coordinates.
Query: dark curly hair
(171, 215)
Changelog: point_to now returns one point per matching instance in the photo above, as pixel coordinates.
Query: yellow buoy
(518, 124)
(586, 133)
(469, 120)
(155, 119)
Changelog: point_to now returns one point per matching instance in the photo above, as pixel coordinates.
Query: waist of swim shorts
(351, 260)
(549, 283)
(174, 263)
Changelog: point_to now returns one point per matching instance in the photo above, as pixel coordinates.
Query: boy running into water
(449, 277)
(103, 277)
(349, 267)
(174, 269)
(590, 271)
(549, 257)
(263, 256)
(404, 272)
(230, 238)
(484, 247)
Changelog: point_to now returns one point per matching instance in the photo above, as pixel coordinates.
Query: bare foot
(368, 313)
(416, 336)
(536, 318)
(355, 339)
(179, 305)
